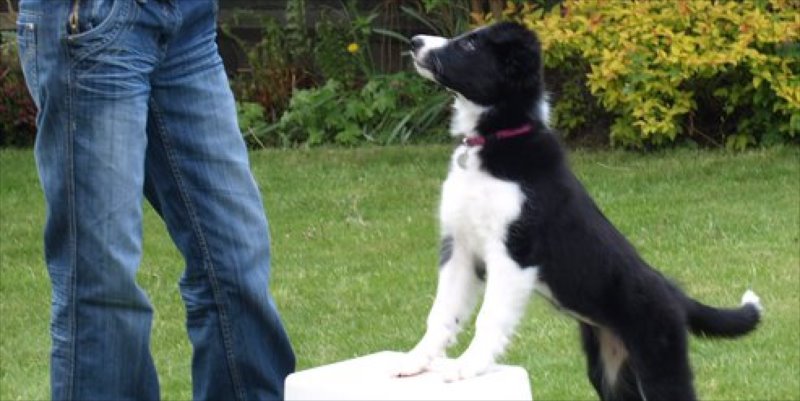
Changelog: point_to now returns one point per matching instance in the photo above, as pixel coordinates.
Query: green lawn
(355, 252)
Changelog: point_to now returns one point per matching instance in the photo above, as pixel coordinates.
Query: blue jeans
(134, 102)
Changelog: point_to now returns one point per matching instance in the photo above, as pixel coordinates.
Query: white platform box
(370, 378)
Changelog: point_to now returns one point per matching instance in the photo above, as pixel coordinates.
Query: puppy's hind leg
(594, 365)
(456, 295)
(661, 362)
(607, 365)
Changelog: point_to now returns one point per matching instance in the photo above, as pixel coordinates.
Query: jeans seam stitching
(70, 165)
(32, 52)
(198, 232)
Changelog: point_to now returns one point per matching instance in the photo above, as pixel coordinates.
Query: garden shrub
(17, 110)
(723, 72)
(351, 103)
(291, 63)
(278, 63)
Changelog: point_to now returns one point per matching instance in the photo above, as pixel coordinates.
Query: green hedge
(666, 71)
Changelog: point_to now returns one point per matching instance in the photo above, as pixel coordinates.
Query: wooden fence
(387, 51)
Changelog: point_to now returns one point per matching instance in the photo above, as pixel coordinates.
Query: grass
(355, 252)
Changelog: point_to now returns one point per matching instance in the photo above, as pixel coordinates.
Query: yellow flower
(352, 48)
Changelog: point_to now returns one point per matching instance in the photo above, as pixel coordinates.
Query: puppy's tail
(724, 322)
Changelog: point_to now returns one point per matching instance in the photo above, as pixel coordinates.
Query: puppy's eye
(467, 44)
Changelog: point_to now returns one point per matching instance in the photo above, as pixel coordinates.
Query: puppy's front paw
(466, 367)
(412, 364)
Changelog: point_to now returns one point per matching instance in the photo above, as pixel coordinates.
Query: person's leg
(88, 73)
(199, 180)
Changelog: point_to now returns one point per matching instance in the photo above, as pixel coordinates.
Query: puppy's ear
(513, 34)
(517, 50)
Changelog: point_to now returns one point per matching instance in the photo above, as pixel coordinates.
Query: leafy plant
(342, 50)
(251, 121)
(330, 51)
(396, 108)
(443, 18)
(298, 43)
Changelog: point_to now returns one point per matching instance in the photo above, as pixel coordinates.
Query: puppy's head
(489, 66)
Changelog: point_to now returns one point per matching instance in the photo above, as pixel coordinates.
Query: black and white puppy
(515, 220)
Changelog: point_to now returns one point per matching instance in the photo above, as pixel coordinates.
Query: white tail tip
(751, 298)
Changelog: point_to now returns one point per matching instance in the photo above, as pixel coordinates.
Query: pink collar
(502, 134)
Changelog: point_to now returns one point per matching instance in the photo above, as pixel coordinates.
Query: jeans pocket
(27, 24)
(87, 15)
(93, 23)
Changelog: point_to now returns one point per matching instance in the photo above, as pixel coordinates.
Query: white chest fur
(477, 208)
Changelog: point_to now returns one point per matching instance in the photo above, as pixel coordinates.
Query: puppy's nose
(416, 43)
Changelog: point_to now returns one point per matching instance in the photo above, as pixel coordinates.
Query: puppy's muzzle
(421, 46)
